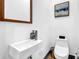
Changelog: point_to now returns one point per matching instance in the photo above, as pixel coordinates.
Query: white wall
(42, 23)
(2, 39)
(66, 25)
(77, 24)
(13, 32)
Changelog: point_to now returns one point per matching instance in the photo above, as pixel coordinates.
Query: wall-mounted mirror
(16, 11)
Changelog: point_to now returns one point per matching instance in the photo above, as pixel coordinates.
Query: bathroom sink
(23, 49)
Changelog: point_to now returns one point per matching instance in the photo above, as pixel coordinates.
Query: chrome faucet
(33, 35)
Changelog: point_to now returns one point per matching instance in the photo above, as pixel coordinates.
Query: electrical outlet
(77, 54)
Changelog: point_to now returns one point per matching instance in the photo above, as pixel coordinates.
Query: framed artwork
(62, 9)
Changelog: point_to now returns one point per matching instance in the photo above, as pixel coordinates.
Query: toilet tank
(62, 43)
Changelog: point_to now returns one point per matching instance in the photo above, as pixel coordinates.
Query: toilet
(61, 50)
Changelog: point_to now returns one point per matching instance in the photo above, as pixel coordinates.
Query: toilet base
(59, 57)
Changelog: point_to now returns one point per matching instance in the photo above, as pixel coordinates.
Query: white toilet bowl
(61, 50)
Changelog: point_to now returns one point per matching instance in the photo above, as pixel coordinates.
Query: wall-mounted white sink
(23, 49)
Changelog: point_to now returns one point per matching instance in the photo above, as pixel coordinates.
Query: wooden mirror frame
(12, 20)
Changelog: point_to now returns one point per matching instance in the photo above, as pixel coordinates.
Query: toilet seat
(61, 51)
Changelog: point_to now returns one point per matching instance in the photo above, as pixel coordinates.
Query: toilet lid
(61, 51)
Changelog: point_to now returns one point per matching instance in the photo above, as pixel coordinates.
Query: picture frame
(62, 9)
